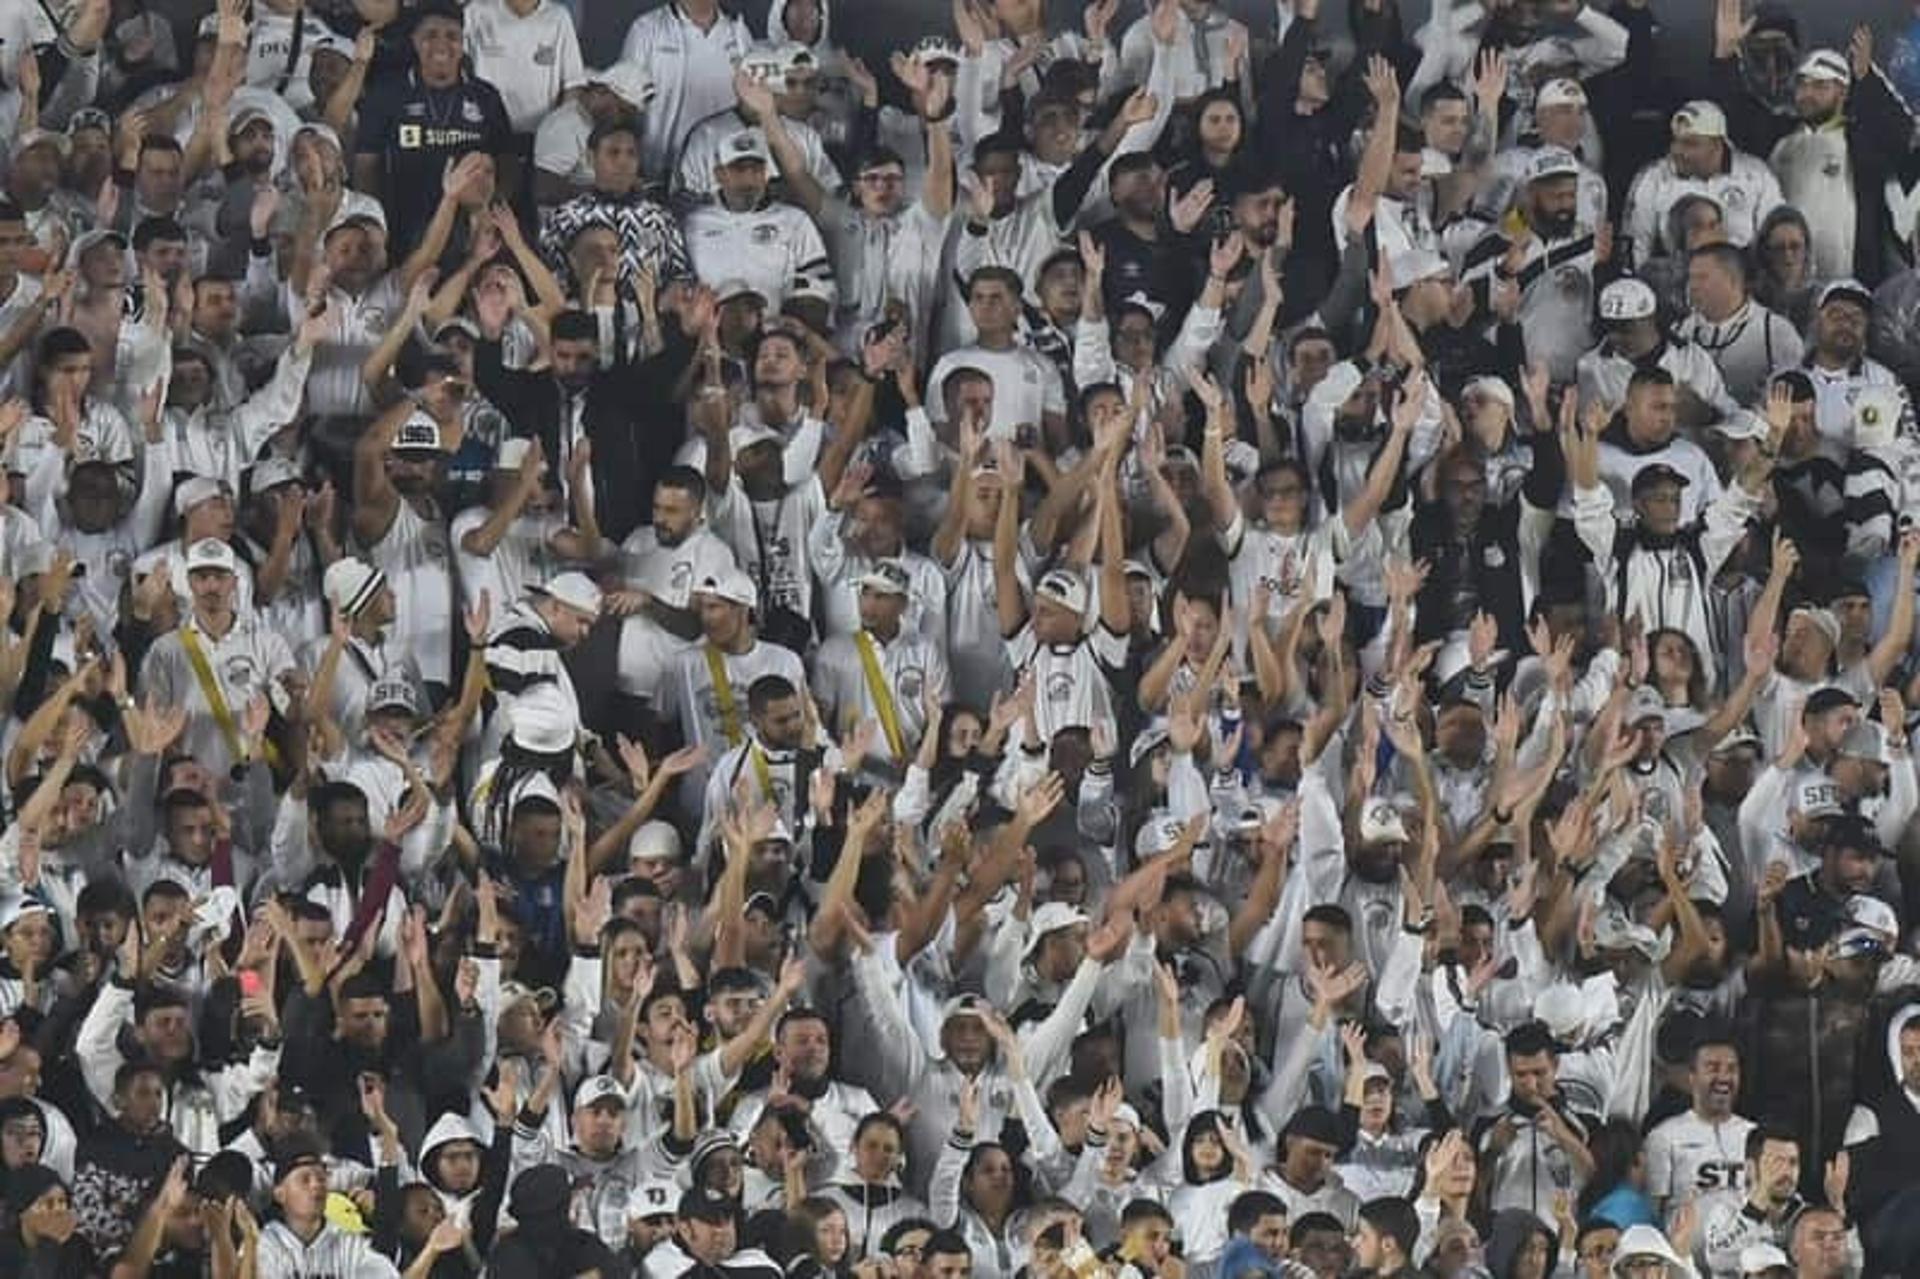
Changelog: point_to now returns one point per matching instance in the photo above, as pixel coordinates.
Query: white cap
(350, 584)
(1742, 424)
(745, 145)
(541, 721)
(728, 290)
(211, 552)
(575, 590)
(1380, 823)
(195, 491)
(886, 577)
(1700, 119)
(655, 841)
(733, 585)
(1865, 912)
(1552, 162)
(1050, 917)
(1563, 92)
(1064, 587)
(1490, 385)
(629, 82)
(1627, 299)
(1414, 265)
(393, 693)
(270, 473)
(1758, 1258)
(1157, 835)
(654, 1197)
(418, 434)
(1824, 64)
(1876, 415)
(598, 1088)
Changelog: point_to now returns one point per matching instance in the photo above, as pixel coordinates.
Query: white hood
(1908, 1013)
(777, 26)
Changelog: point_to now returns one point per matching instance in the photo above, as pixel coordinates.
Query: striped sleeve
(520, 657)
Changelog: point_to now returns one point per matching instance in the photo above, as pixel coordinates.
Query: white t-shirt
(1026, 386)
(418, 560)
(531, 60)
(1688, 1157)
(1073, 687)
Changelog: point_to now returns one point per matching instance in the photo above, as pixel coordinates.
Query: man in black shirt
(412, 126)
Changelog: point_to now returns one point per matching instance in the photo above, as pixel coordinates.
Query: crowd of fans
(1116, 645)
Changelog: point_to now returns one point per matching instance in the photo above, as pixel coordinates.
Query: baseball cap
(655, 841)
(704, 1204)
(1563, 92)
(1656, 473)
(1762, 1258)
(90, 118)
(1552, 162)
(732, 585)
(575, 590)
(1738, 738)
(456, 324)
(1824, 64)
(1050, 917)
(886, 577)
(195, 491)
(350, 583)
(965, 1006)
(350, 217)
(393, 694)
(1063, 586)
(628, 81)
(1645, 704)
(1847, 290)
(211, 552)
(1380, 823)
(418, 434)
(1627, 299)
(1864, 911)
(933, 49)
(1863, 741)
(297, 1152)
(654, 1197)
(1157, 835)
(745, 146)
(729, 290)
(1153, 734)
(1861, 943)
(512, 992)
(1415, 265)
(270, 473)
(1742, 424)
(1316, 1123)
(596, 1089)
(1700, 119)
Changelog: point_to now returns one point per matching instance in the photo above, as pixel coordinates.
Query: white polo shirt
(692, 73)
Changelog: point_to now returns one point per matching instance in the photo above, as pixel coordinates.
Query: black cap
(1849, 586)
(449, 9)
(1830, 698)
(703, 1204)
(1648, 476)
(295, 1153)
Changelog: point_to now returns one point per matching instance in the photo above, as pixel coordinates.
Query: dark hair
(1314, 1221)
(767, 690)
(165, 888)
(62, 342)
(156, 228)
(1393, 1217)
(905, 1226)
(945, 1243)
(1649, 375)
(1330, 914)
(1770, 1130)
(1246, 1210)
(575, 326)
(1614, 1147)
(159, 142)
(684, 479)
(11, 212)
(1726, 255)
(1444, 91)
(328, 794)
(1530, 1039)
(613, 128)
(363, 985)
(1138, 1210)
(105, 896)
(1000, 142)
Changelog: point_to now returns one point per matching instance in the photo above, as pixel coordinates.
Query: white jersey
(769, 539)
(1618, 466)
(279, 58)
(245, 662)
(417, 558)
(1816, 177)
(1745, 190)
(669, 573)
(976, 655)
(523, 557)
(333, 1254)
(1296, 568)
(692, 72)
(1604, 376)
(1746, 347)
(701, 155)
(1073, 682)
(102, 436)
(1688, 1157)
(769, 247)
(175, 554)
(838, 567)
(361, 666)
(907, 667)
(1026, 386)
(716, 717)
(532, 61)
